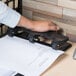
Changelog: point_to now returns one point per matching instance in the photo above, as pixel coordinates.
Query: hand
(39, 26)
(43, 26)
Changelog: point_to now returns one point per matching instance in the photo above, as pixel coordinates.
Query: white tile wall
(67, 3)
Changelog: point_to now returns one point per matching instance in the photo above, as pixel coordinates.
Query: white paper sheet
(30, 59)
(6, 72)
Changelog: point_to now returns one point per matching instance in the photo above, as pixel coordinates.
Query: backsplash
(62, 12)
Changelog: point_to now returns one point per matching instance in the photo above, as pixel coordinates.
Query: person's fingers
(53, 26)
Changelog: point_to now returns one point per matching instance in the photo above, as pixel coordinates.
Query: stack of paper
(6, 72)
(30, 59)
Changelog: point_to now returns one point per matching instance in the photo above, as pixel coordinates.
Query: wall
(62, 12)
